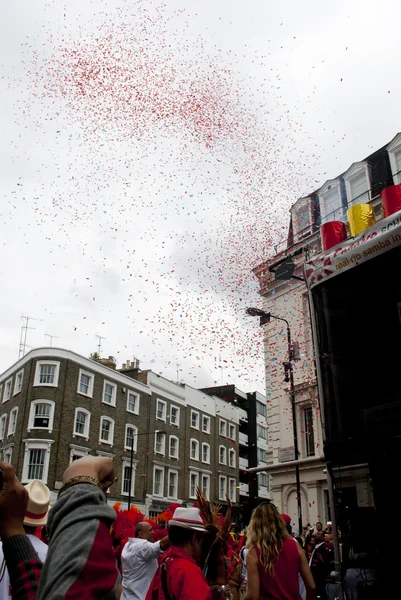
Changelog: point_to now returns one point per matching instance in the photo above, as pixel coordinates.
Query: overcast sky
(150, 154)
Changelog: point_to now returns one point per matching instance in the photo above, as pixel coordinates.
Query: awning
(378, 239)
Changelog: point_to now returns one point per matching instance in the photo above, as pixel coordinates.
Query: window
(194, 419)
(3, 422)
(301, 216)
(175, 416)
(193, 483)
(131, 437)
(85, 383)
(205, 424)
(232, 489)
(206, 453)
(158, 481)
(261, 409)
(309, 433)
(222, 487)
(262, 432)
(128, 479)
(109, 393)
(232, 458)
(36, 460)
(18, 382)
(331, 206)
(106, 430)
(7, 390)
(77, 452)
(41, 415)
(222, 455)
(173, 446)
(206, 486)
(160, 442)
(394, 151)
(173, 484)
(262, 455)
(161, 410)
(8, 452)
(223, 427)
(46, 373)
(194, 449)
(262, 478)
(13, 421)
(81, 422)
(1, 390)
(231, 431)
(133, 403)
(357, 184)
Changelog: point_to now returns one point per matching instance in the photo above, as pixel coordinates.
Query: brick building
(57, 406)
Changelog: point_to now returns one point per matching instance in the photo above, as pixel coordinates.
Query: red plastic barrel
(332, 233)
(391, 199)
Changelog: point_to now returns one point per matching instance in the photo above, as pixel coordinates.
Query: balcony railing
(244, 489)
(243, 463)
(243, 439)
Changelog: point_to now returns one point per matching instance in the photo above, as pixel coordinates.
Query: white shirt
(316, 547)
(41, 550)
(139, 564)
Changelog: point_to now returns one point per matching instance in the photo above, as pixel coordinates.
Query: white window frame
(135, 436)
(84, 435)
(197, 449)
(263, 427)
(137, 398)
(223, 422)
(10, 421)
(31, 420)
(264, 413)
(36, 381)
(1, 391)
(111, 421)
(205, 476)
(177, 408)
(174, 437)
(298, 233)
(222, 496)
(8, 453)
(175, 496)
(355, 170)
(206, 445)
(207, 419)
(7, 389)
(231, 432)
(164, 410)
(161, 469)
(36, 444)
(393, 148)
(232, 493)
(113, 394)
(163, 451)
(196, 475)
(195, 413)
(338, 214)
(17, 375)
(225, 455)
(232, 453)
(91, 383)
(3, 431)
(265, 477)
(126, 464)
(265, 454)
(80, 451)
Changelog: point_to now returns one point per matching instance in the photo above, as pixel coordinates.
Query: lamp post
(265, 317)
(132, 458)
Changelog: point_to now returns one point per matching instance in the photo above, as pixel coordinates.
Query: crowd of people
(91, 553)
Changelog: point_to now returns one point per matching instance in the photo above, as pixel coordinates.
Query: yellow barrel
(360, 217)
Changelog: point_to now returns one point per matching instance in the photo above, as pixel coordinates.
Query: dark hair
(179, 536)
(319, 523)
(300, 541)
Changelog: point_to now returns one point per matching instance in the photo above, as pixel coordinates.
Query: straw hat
(189, 518)
(38, 503)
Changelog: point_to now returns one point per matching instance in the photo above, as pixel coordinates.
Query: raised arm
(307, 575)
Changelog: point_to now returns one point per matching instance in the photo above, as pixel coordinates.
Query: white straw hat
(38, 503)
(189, 518)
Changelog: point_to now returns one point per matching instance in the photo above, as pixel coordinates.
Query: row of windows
(196, 480)
(12, 423)
(7, 387)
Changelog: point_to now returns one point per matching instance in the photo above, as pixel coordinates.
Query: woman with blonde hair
(274, 559)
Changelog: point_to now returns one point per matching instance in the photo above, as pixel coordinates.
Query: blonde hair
(266, 531)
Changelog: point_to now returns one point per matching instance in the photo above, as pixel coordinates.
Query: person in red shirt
(178, 577)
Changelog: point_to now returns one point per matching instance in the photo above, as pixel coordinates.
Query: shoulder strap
(163, 577)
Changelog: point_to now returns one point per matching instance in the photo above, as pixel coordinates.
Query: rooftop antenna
(99, 346)
(51, 337)
(221, 370)
(178, 368)
(24, 334)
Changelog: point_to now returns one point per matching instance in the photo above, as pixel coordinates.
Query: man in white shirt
(35, 516)
(139, 562)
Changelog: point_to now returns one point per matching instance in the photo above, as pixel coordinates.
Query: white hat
(38, 503)
(189, 518)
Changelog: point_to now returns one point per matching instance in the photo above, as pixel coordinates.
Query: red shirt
(283, 585)
(185, 580)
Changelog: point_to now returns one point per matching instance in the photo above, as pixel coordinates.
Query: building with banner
(355, 218)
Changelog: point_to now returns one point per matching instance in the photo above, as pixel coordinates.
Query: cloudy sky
(150, 154)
